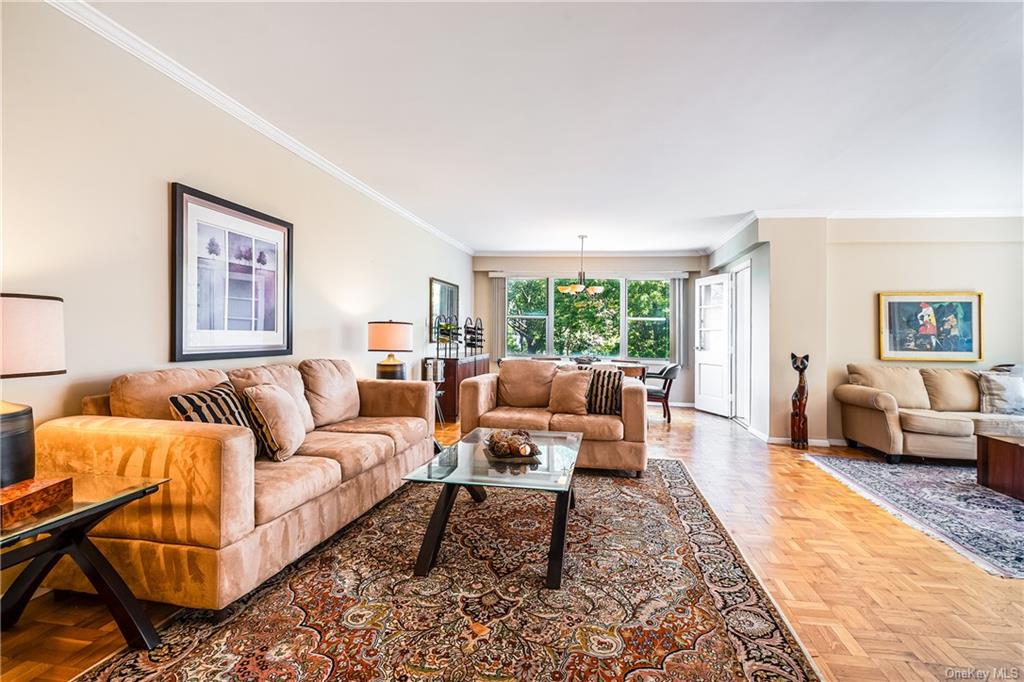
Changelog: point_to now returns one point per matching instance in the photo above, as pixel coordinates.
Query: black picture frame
(435, 304)
(180, 351)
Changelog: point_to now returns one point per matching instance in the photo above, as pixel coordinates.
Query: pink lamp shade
(32, 333)
(389, 337)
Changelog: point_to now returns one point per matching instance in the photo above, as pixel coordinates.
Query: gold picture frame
(930, 326)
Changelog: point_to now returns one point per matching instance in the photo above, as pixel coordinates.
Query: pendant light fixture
(580, 286)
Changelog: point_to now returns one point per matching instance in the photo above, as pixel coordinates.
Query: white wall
(91, 139)
(597, 266)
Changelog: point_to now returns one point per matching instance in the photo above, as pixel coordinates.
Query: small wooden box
(24, 499)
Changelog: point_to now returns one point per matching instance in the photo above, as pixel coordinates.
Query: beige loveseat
(228, 520)
(929, 412)
(518, 398)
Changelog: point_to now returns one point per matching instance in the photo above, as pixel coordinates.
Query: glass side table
(94, 497)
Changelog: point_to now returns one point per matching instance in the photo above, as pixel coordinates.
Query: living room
(716, 311)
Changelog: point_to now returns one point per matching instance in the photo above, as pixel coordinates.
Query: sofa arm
(870, 417)
(397, 398)
(634, 410)
(209, 499)
(865, 396)
(477, 396)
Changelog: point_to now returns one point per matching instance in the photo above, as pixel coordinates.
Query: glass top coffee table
(62, 530)
(467, 464)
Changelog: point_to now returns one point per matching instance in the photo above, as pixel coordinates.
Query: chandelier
(580, 285)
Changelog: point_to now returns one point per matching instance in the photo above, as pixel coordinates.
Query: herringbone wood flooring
(870, 597)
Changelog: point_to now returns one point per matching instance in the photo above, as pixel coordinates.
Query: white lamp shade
(389, 337)
(31, 335)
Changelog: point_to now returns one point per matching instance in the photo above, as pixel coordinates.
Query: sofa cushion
(285, 376)
(217, 405)
(354, 452)
(937, 423)
(569, 391)
(903, 383)
(144, 395)
(592, 426)
(525, 383)
(535, 418)
(992, 424)
(331, 390)
(283, 486)
(275, 421)
(1001, 393)
(951, 390)
(405, 431)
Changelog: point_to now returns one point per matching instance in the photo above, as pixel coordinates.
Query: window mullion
(623, 324)
(551, 317)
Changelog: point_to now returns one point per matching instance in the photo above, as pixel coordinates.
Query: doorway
(741, 344)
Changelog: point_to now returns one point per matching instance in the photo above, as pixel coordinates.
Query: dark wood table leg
(476, 492)
(572, 499)
(557, 550)
(128, 613)
(435, 529)
(17, 596)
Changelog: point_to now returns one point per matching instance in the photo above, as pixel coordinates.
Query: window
(629, 319)
(527, 317)
(647, 318)
(588, 325)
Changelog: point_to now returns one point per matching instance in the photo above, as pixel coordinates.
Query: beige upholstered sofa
(228, 520)
(929, 412)
(518, 398)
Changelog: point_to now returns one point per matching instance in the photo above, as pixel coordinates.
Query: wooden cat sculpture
(798, 417)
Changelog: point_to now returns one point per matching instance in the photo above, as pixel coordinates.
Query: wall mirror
(444, 300)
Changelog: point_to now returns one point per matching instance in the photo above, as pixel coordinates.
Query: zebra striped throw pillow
(217, 405)
(605, 394)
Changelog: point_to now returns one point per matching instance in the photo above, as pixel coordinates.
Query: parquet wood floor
(870, 597)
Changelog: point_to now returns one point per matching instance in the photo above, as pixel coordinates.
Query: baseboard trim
(839, 442)
(671, 404)
(782, 440)
(757, 434)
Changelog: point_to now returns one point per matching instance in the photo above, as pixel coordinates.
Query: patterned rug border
(759, 580)
(237, 607)
(908, 518)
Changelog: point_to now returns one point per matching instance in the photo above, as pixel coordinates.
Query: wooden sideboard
(456, 370)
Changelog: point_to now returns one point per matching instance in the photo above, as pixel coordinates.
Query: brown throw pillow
(569, 391)
(276, 421)
(605, 394)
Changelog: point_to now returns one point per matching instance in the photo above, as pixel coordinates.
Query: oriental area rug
(944, 501)
(653, 589)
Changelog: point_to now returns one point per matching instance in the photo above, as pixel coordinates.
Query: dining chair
(660, 395)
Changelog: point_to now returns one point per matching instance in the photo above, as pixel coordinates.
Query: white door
(741, 348)
(712, 364)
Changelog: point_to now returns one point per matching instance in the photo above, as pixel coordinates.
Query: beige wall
(824, 276)
(597, 266)
(91, 139)
(868, 256)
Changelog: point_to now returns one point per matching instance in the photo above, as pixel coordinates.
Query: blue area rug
(945, 502)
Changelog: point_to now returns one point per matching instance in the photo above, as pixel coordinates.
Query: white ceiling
(515, 127)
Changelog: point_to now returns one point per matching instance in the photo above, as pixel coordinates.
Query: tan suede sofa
(929, 412)
(518, 398)
(228, 520)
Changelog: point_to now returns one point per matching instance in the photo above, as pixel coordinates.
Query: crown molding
(685, 253)
(106, 27)
(740, 225)
(895, 215)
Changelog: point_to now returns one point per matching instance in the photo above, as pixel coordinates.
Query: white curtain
(677, 320)
(499, 305)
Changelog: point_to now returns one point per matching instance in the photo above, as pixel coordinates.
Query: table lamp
(390, 337)
(31, 345)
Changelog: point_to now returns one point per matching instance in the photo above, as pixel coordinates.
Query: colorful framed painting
(933, 326)
(232, 279)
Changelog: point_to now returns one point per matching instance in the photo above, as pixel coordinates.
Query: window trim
(624, 317)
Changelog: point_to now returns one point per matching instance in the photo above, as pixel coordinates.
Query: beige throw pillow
(276, 420)
(1001, 393)
(569, 391)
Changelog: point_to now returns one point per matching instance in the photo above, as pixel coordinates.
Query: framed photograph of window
(935, 326)
(232, 279)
